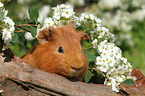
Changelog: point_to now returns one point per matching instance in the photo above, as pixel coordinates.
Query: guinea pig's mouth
(69, 71)
(75, 71)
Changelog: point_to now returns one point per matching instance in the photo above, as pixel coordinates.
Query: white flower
(1, 91)
(8, 21)
(99, 60)
(108, 83)
(62, 6)
(40, 18)
(95, 43)
(119, 79)
(7, 35)
(67, 12)
(91, 16)
(105, 29)
(104, 53)
(107, 59)
(101, 34)
(111, 61)
(98, 20)
(111, 46)
(129, 65)
(1, 4)
(104, 67)
(81, 18)
(117, 52)
(28, 36)
(5, 12)
(124, 60)
(12, 29)
(101, 46)
(48, 22)
(115, 85)
(99, 28)
(57, 15)
(7, 29)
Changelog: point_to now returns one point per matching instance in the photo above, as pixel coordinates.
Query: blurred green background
(124, 18)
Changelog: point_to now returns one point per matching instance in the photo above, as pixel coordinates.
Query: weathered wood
(21, 79)
(139, 88)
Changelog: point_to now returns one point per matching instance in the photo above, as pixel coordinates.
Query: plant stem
(89, 47)
(26, 25)
(22, 28)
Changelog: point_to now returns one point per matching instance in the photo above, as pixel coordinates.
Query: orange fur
(72, 63)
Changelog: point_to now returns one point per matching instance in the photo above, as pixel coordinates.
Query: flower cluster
(63, 14)
(110, 60)
(94, 23)
(7, 26)
(119, 16)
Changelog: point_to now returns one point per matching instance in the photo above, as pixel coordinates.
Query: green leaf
(21, 38)
(33, 31)
(1, 14)
(89, 56)
(33, 13)
(88, 76)
(129, 82)
(15, 38)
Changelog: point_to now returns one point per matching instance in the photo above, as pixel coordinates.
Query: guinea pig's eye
(60, 50)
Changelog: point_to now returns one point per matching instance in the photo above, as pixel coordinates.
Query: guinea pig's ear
(45, 35)
(83, 36)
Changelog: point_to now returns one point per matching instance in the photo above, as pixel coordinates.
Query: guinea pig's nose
(76, 69)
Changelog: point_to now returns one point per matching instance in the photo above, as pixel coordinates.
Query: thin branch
(22, 28)
(89, 47)
(26, 25)
(19, 31)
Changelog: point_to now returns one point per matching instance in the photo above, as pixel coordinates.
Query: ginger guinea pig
(59, 51)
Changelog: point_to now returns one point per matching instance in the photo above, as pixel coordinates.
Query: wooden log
(20, 79)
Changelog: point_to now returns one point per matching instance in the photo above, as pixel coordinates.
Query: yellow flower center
(116, 53)
(100, 60)
(66, 12)
(104, 53)
(48, 23)
(104, 66)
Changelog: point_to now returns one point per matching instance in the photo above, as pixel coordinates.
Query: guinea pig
(60, 52)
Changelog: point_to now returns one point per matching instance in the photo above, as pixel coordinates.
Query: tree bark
(18, 78)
